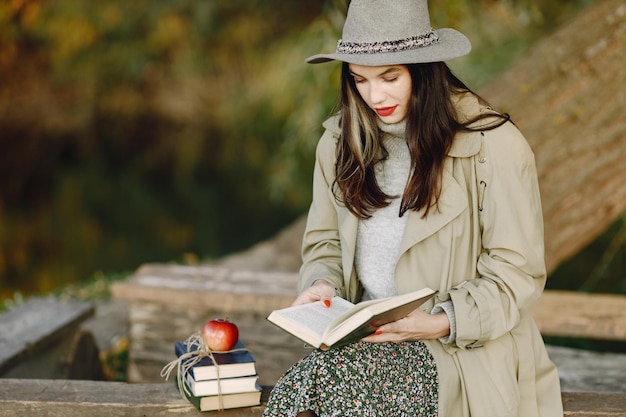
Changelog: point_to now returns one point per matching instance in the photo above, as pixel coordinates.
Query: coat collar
(468, 143)
(465, 144)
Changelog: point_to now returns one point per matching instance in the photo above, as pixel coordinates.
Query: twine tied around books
(187, 360)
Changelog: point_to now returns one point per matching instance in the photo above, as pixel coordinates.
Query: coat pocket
(489, 375)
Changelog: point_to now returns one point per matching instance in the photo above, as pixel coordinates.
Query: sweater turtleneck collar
(394, 139)
(397, 130)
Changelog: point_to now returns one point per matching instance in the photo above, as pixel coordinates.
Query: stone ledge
(34, 328)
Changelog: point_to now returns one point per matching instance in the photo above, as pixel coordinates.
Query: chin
(389, 120)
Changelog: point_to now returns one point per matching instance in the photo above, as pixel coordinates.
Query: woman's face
(386, 90)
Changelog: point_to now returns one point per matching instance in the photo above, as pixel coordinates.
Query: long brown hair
(431, 125)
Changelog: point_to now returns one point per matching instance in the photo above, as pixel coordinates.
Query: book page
(321, 327)
(366, 316)
(308, 321)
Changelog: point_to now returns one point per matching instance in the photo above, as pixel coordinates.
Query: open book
(344, 322)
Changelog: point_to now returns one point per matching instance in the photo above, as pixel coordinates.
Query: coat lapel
(453, 201)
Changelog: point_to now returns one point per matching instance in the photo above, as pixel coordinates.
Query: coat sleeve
(510, 269)
(321, 247)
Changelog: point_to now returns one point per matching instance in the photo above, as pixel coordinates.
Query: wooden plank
(230, 290)
(588, 371)
(35, 324)
(63, 398)
(558, 313)
(594, 404)
(582, 315)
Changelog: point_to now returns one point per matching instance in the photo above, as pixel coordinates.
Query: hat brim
(452, 44)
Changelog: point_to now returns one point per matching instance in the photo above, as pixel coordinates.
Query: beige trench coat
(483, 249)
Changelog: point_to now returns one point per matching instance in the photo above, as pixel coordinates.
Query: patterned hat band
(414, 42)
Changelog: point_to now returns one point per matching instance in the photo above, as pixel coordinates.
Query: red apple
(220, 334)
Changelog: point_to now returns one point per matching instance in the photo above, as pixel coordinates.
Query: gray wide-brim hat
(390, 32)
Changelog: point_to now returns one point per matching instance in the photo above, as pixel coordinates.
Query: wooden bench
(41, 338)
(38, 323)
(64, 398)
(169, 302)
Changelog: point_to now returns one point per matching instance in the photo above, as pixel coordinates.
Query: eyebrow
(386, 72)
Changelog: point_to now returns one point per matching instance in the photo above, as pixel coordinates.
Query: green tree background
(164, 130)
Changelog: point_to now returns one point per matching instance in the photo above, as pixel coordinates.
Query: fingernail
(378, 332)
(327, 303)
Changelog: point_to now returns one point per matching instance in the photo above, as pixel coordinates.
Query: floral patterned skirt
(360, 379)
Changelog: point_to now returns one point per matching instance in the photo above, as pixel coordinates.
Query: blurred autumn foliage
(170, 130)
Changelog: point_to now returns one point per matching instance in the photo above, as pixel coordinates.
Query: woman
(419, 184)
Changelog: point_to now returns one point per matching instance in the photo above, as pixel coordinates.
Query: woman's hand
(320, 291)
(418, 325)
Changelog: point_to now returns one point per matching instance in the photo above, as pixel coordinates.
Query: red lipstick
(385, 111)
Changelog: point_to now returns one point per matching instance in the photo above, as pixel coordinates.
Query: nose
(376, 93)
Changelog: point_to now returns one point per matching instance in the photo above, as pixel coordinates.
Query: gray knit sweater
(379, 237)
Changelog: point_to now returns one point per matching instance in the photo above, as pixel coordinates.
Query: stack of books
(235, 385)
